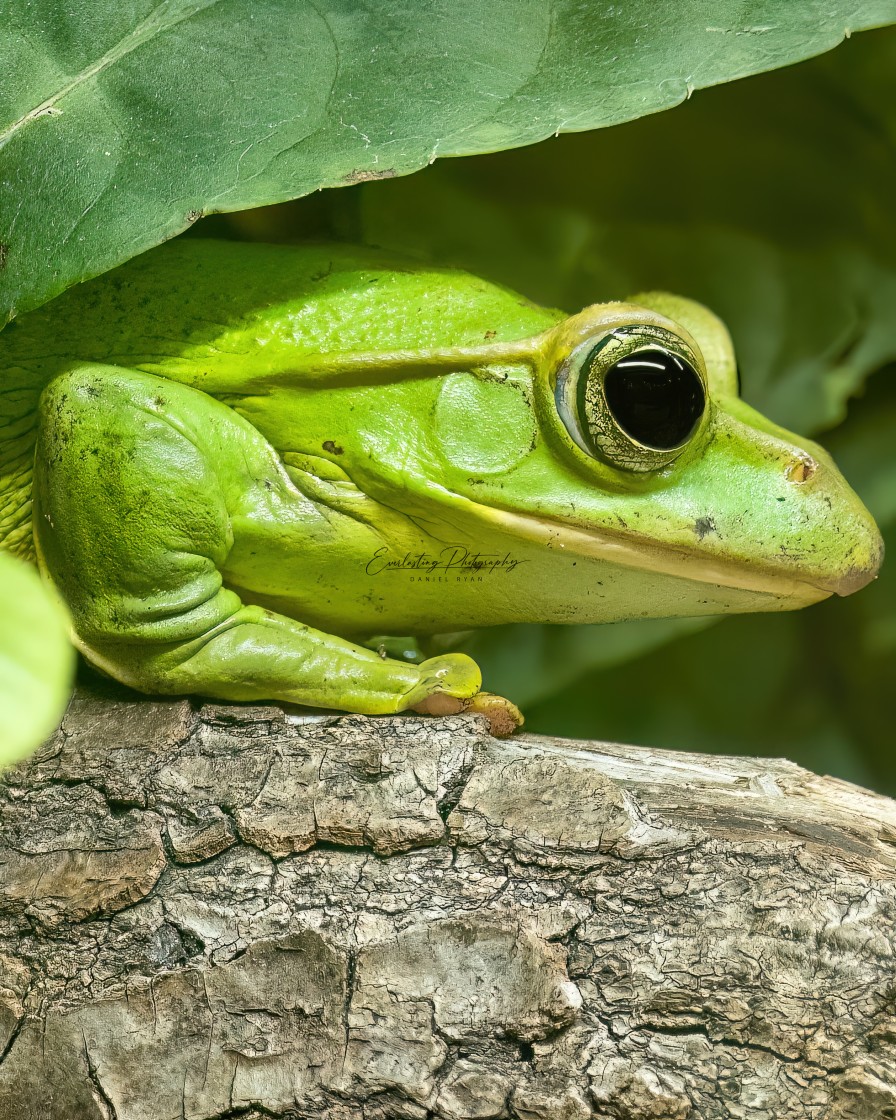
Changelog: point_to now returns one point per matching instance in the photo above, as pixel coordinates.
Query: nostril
(800, 469)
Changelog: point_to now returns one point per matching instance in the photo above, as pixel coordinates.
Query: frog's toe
(450, 684)
(438, 704)
(503, 716)
(451, 677)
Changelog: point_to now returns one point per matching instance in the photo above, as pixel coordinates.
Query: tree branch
(231, 911)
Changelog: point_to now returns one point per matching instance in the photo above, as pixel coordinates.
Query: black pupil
(655, 396)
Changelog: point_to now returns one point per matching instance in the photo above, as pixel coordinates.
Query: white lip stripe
(650, 557)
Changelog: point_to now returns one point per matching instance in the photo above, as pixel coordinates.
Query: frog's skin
(250, 460)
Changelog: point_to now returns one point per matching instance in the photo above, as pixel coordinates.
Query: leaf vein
(155, 23)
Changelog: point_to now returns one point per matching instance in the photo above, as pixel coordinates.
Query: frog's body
(250, 457)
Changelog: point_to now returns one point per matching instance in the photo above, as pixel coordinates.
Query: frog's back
(228, 306)
(214, 313)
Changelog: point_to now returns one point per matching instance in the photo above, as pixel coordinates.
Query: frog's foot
(450, 685)
(453, 677)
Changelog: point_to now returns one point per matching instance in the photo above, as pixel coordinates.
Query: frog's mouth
(646, 555)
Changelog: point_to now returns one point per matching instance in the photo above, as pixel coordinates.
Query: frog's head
(626, 442)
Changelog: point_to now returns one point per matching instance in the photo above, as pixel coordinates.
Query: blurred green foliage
(772, 201)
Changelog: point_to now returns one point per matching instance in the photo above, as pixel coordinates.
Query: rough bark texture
(227, 912)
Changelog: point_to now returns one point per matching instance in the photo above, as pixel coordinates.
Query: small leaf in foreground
(36, 660)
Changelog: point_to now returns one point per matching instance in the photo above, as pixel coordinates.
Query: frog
(290, 473)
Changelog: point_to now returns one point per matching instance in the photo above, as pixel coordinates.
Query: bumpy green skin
(241, 450)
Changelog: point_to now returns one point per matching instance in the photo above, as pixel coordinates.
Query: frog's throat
(651, 557)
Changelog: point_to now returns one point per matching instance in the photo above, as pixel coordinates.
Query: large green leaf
(122, 122)
(36, 660)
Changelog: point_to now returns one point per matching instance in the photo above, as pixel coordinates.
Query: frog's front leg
(136, 481)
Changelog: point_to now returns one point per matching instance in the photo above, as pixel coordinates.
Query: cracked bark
(223, 911)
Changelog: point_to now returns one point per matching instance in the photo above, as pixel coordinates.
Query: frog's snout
(859, 575)
(859, 564)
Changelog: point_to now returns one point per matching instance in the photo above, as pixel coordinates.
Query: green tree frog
(244, 467)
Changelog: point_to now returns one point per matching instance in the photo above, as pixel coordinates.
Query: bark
(227, 911)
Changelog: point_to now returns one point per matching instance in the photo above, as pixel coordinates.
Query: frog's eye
(633, 398)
